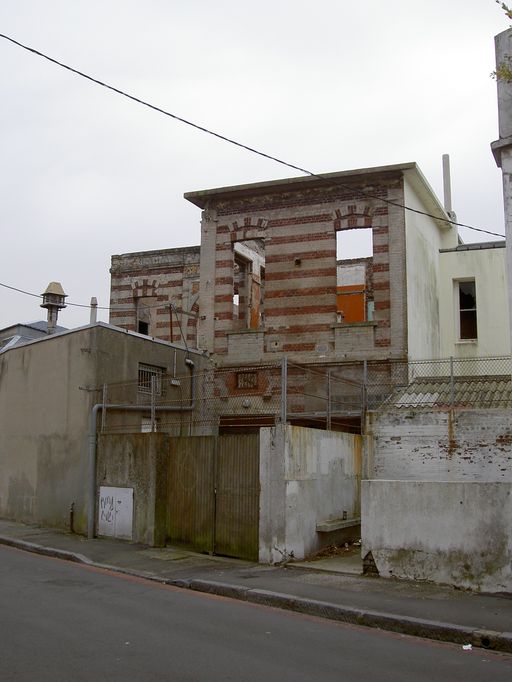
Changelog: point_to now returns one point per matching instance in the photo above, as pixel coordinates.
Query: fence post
(328, 411)
(364, 396)
(153, 399)
(284, 389)
(452, 383)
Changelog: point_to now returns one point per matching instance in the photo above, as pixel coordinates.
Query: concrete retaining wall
(459, 533)
(307, 476)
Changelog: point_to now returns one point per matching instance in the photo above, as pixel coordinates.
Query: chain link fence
(329, 397)
(446, 383)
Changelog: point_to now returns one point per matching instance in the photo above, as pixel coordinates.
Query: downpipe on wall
(93, 438)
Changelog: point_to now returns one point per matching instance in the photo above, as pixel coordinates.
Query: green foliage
(505, 8)
(504, 70)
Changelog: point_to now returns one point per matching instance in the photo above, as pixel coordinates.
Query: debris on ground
(342, 549)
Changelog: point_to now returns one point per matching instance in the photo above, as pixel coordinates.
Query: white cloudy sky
(328, 85)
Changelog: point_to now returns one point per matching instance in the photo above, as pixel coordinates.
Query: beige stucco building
(481, 329)
(48, 388)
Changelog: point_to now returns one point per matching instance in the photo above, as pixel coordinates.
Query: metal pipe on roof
(94, 310)
(447, 187)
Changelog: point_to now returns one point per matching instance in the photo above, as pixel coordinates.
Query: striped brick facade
(297, 224)
(145, 284)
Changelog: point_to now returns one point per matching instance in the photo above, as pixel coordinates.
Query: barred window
(146, 373)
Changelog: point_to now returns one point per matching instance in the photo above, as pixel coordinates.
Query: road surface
(65, 622)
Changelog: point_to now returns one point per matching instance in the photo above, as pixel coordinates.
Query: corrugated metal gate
(214, 493)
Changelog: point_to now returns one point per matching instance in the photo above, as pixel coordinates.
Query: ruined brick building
(267, 282)
(144, 284)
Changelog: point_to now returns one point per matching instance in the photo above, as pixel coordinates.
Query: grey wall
(43, 423)
(138, 461)
(47, 390)
(459, 533)
(307, 476)
(439, 506)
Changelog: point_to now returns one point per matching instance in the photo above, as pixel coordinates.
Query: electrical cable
(224, 138)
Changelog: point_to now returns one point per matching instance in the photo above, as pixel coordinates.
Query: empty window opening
(355, 243)
(146, 311)
(354, 296)
(143, 327)
(248, 284)
(467, 310)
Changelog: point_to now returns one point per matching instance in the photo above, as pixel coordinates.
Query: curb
(46, 551)
(406, 625)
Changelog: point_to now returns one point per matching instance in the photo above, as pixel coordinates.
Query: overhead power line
(224, 138)
(30, 293)
(118, 307)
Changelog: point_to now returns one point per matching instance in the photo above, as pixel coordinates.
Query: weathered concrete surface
(138, 461)
(440, 445)
(47, 390)
(458, 533)
(307, 476)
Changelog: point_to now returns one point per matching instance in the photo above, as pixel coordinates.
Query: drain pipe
(93, 440)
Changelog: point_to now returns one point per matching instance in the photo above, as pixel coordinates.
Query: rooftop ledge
(245, 331)
(344, 325)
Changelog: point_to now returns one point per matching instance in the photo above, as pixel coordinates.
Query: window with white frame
(466, 299)
(148, 374)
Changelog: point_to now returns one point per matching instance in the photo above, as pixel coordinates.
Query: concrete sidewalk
(328, 588)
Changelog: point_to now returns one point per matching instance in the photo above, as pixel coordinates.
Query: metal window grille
(146, 373)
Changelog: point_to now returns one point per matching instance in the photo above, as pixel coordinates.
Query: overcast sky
(328, 85)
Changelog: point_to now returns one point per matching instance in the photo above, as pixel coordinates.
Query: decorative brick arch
(354, 216)
(144, 289)
(252, 228)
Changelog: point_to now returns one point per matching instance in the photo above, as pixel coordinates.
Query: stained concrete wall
(459, 533)
(440, 445)
(44, 406)
(307, 476)
(439, 504)
(138, 461)
(47, 390)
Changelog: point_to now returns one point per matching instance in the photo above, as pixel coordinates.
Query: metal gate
(214, 493)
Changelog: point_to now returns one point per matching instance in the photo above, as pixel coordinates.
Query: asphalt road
(68, 622)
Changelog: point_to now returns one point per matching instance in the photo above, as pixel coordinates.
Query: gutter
(93, 438)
